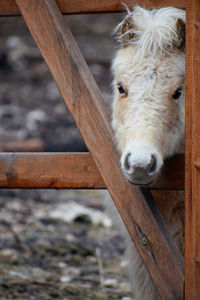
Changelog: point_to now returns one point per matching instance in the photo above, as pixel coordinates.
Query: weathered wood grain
(192, 211)
(49, 170)
(71, 171)
(85, 103)
(9, 7)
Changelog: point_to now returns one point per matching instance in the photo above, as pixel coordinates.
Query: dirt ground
(54, 244)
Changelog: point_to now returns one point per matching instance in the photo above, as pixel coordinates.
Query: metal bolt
(144, 241)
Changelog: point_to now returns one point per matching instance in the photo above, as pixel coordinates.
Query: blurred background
(54, 244)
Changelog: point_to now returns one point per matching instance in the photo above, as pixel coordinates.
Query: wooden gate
(100, 169)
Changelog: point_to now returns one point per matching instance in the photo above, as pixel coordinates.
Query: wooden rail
(85, 103)
(49, 170)
(9, 7)
(71, 171)
(192, 208)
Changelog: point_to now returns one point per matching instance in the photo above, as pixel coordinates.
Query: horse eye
(177, 94)
(121, 89)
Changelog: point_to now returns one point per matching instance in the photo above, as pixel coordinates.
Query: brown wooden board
(85, 103)
(192, 211)
(9, 7)
(49, 170)
(71, 171)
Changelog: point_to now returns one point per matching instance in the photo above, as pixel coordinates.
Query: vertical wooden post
(192, 240)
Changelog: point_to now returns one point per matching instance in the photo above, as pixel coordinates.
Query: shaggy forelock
(154, 30)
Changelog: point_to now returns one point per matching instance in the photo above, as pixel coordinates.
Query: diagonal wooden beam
(9, 7)
(85, 103)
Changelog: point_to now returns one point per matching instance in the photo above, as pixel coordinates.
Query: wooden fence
(100, 169)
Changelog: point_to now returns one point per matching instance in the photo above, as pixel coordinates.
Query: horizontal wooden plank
(9, 7)
(49, 170)
(71, 170)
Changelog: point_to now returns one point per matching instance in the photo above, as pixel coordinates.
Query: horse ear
(180, 31)
(126, 30)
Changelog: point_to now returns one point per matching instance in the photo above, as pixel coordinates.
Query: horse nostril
(152, 166)
(126, 162)
(138, 171)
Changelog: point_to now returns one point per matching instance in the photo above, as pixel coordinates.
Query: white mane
(154, 30)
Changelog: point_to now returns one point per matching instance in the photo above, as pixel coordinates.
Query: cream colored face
(148, 110)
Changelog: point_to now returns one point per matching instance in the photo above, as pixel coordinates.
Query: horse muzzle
(140, 173)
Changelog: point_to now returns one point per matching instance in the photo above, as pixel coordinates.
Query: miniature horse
(148, 114)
